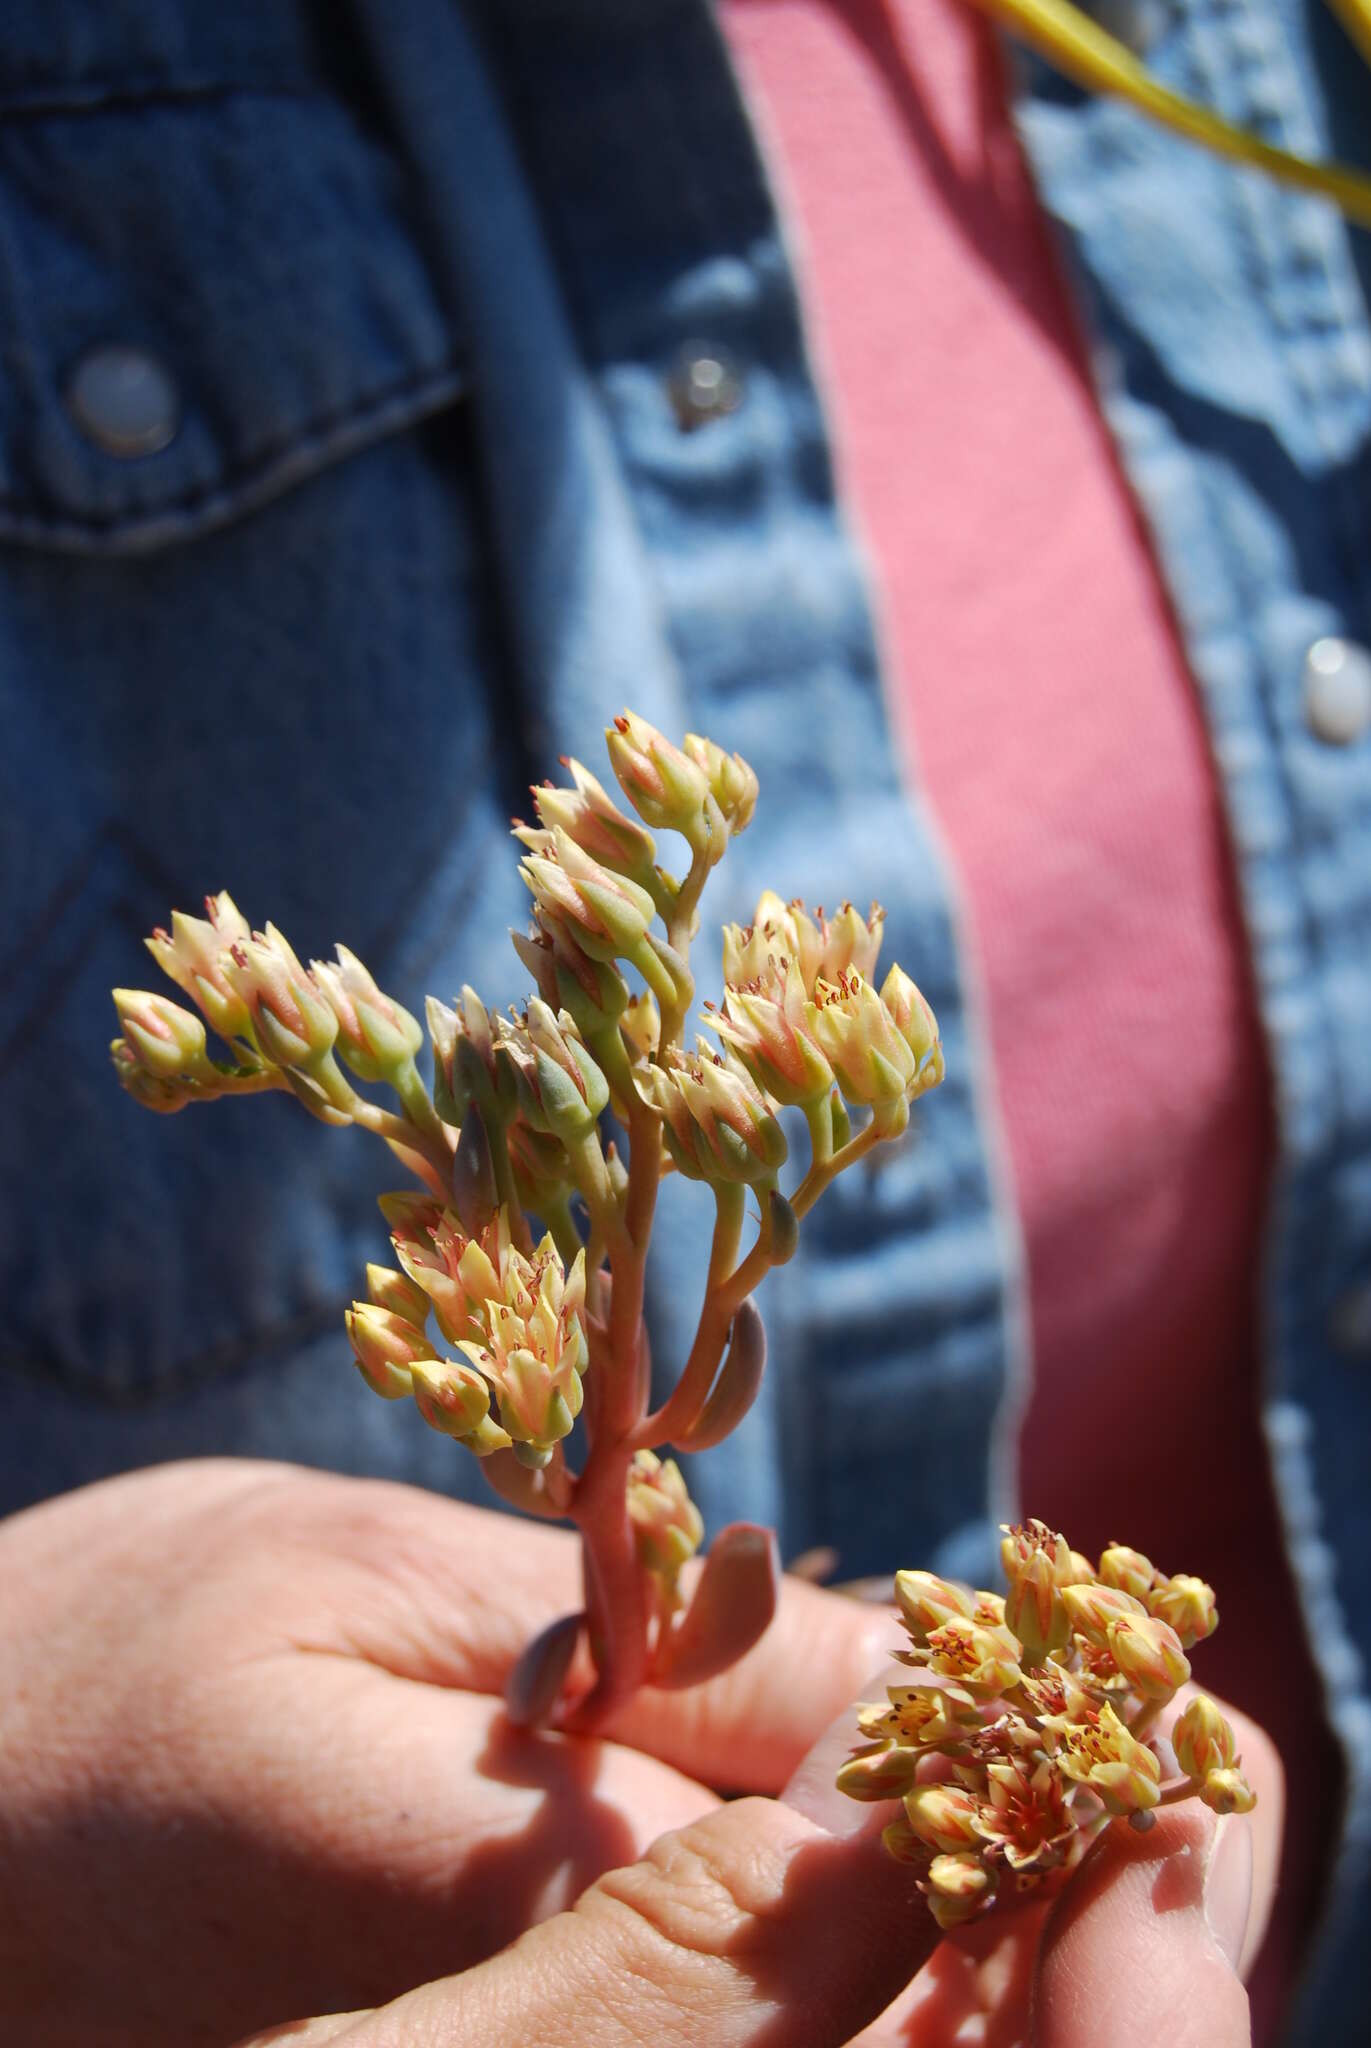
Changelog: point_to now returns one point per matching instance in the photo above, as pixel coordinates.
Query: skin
(256, 1769)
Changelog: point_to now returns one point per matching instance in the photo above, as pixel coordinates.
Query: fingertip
(1142, 1946)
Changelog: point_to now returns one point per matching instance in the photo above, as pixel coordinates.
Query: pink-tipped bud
(589, 816)
(665, 787)
(292, 1021)
(878, 1774)
(387, 1347)
(453, 1399)
(375, 1036)
(1149, 1654)
(668, 1528)
(913, 1018)
(732, 784)
(943, 1816)
(1093, 1608)
(1128, 1571)
(192, 955)
(399, 1294)
(603, 913)
(1187, 1605)
(1033, 1609)
(1203, 1740)
(161, 1036)
(925, 1602)
(852, 1027)
(958, 1888)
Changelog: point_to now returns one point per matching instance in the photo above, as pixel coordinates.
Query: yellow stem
(1069, 40)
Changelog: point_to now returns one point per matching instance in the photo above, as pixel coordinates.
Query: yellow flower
(983, 1659)
(1100, 1753)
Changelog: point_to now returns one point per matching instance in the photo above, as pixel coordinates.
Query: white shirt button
(123, 400)
(1337, 691)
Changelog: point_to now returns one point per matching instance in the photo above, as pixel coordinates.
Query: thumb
(1146, 1942)
(751, 1928)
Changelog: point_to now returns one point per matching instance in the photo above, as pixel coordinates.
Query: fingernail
(1228, 1886)
(811, 1790)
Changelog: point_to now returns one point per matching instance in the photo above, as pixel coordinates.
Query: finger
(1146, 1942)
(447, 1594)
(751, 1928)
(417, 1836)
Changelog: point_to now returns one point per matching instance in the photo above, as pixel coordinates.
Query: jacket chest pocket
(243, 644)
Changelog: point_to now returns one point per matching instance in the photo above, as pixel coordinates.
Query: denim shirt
(351, 470)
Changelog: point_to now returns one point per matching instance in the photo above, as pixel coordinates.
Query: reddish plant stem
(615, 1587)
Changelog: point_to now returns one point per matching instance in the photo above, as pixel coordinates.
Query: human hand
(255, 1764)
(766, 1924)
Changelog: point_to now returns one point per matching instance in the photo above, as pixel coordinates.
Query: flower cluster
(513, 1315)
(515, 1318)
(1030, 1721)
(803, 1016)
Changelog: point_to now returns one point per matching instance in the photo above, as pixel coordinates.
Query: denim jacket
(352, 467)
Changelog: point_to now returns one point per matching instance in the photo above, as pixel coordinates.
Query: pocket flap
(205, 299)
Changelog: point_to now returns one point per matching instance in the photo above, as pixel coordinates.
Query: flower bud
(1034, 1613)
(914, 1020)
(900, 1841)
(602, 913)
(1227, 1791)
(732, 783)
(1128, 1571)
(716, 1123)
(925, 1602)
(453, 1399)
(1203, 1740)
(1149, 1654)
(766, 1025)
(1187, 1605)
(192, 955)
(387, 1347)
(593, 992)
(164, 1095)
(668, 1528)
(590, 817)
(399, 1294)
(879, 1774)
(665, 787)
(943, 1816)
(852, 1027)
(375, 1036)
(958, 1887)
(1093, 1608)
(161, 1036)
(292, 1021)
(560, 1088)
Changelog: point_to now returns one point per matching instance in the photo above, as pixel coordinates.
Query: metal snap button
(123, 400)
(703, 386)
(1337, 691)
